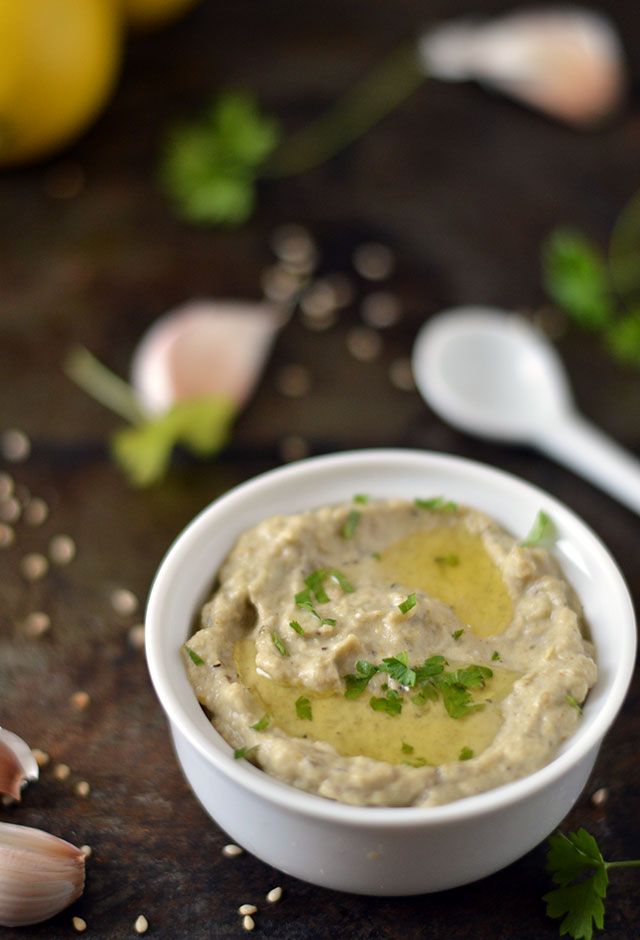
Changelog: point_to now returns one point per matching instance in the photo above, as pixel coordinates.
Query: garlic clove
(567, 62)
(40, 875)
(17, 764)
(204, 348)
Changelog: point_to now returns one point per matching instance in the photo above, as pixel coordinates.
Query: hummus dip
(391, 653)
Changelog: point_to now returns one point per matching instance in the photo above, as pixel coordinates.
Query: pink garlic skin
(567, 62)
(17, 764)
(204, 348)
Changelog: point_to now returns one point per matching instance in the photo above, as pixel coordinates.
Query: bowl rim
(299, 802)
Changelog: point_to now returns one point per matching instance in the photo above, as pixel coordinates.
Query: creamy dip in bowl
(378, 849)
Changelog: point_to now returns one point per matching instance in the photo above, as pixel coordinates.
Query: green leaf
(241, 752)
(348, 530)
(575, 277)
(574, 703)
(436, 504)
(209, 167)
(407, 604)
(542, 531)
(195, 658)
(391, 703)
(263, 723)
(576, 864)
(356, 684)
(466, 754)
(457, 633)
(201, 425)
(303, 708)
(623, 338)
(398, 668)
(295, 626)
(279, 645)
(450, 560)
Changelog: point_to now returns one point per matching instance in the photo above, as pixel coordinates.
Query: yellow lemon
(58, 63)
(148, 13)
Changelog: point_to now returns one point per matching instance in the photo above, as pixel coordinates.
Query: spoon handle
(580, 445)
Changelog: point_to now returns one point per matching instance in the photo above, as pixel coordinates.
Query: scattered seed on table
(135, 636)
(41, 757)
(401, 375)
(274, 895)
(293, 244)
(279, 285)
(36, 623)
(80, 700)
(293, 380)
(86, 850)
(248, 923)
(62, 549)
(82, 788)
(318, 300)
(245, 909)
(7, 535)
(6, 486)
(231, 850)
(319, 323)
(36, 511)
(61, 771)
(373, 261)
(600, 797)
(79, 924)
(364, 344)
(34, 566)
(10, 509)
(15, 446)
(124, 601)
(141, 925)
(293, 448)
(381, 309)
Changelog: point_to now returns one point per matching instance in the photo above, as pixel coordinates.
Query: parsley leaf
(196, 659)
(407, 748)
(495, 656)
(303, 708)
(398, 668)
(579, 899)
(466, 754)
(457, 633)
(542, 531)
(241, 752)
(361, 498)
(436, 504)
(407, 604)
(295, 626)
(570, 700)
(391, 703)
(356, 684)
(279, 645)
(263, 723)
(575, 277)
(348, 530)
(451, 560)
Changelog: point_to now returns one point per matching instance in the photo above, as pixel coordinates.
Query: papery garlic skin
(204, 348)
(40, 875)
(17, 764)
(567, 62)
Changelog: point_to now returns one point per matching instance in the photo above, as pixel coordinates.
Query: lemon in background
(143, 14)
(58, 63)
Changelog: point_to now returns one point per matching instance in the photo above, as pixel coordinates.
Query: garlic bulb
(204, 348)
(567, 62)
(17, 764)
(40, 875)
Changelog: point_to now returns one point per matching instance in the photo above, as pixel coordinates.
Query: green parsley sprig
(542, 531)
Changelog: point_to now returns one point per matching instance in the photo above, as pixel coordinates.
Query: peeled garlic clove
(17, 764)
(204, 348)
(40, 875)
(565, 62)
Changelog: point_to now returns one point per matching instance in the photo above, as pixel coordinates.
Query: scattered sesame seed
(82, 788)
(279, 285)
(124, 601)
(293, 381)
(248, 923)
(37, 623)
(293, 244)
(600, 797)
(364, 344)
(86, 850)
(41, 757)
(15, 446)
(274, 895)
(141, 925)
(7, 535)
(10, 509)
(401, 375)
(62, 549)
(34, 566)
(319, 323)
(79, 924)
(80, 700)
(231, 850)
(61, 771)
(294, 448)
(135, 636)
(6, 486)
(245, 909)
(381, 309)
(64, 181)
(373, 261)
(318, 300)
(36, 511)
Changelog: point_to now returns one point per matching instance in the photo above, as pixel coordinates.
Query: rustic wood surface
(463, 185)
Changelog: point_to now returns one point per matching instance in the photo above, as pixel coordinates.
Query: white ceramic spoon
(493, 374)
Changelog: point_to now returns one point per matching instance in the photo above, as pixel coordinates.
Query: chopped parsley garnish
(303, 708)
(391, 703)
(376, 555)
(465, 754)
(407, 604)
(356, 684)
(264, 722)
(436, 504)
(542, 531)
(570, 700)
(398, 668)
(348, 530)
(315, 584)
(361, 498)
(407, 748)
(194, 657)
(457, 633)
(295, 626)
(314, 589)
(241, 752)
(279, 645)
(495, 656)
(451, 560)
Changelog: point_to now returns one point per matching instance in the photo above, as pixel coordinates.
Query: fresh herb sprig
(577, 866)
(542, 531)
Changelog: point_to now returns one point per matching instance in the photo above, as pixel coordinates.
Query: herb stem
(635, 863)
(104, 385)
(361, 107)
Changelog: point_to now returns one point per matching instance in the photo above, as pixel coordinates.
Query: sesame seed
(86, 850)
(62, 549)
(41, 757)
(15, 446)
(231, 850)
(61, 771)
(294, 448)
(320, 322)
(248, 923)
(6, 486)
(124, 601)
(79, 924)
(245, 909)
(135, 636)
(37, 623)
(364, 344)
(80, 700)
(34, 566)
(600, 797)
(318, 300)
(10, 509)
(36, 512)
(293, 381)
(274, 895)
(279, 285)
(141, 925)
(82, 788)
(293, 244)
(401, 375)
(7, 535)
(373, 261)
(380, 309)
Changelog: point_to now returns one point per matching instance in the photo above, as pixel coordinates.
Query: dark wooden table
(462, 185)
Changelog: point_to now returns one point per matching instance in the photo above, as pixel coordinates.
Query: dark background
(463, 185)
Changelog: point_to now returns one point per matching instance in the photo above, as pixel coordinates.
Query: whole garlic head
(40, 875)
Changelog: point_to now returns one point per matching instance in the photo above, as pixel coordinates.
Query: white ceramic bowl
(392, 851)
